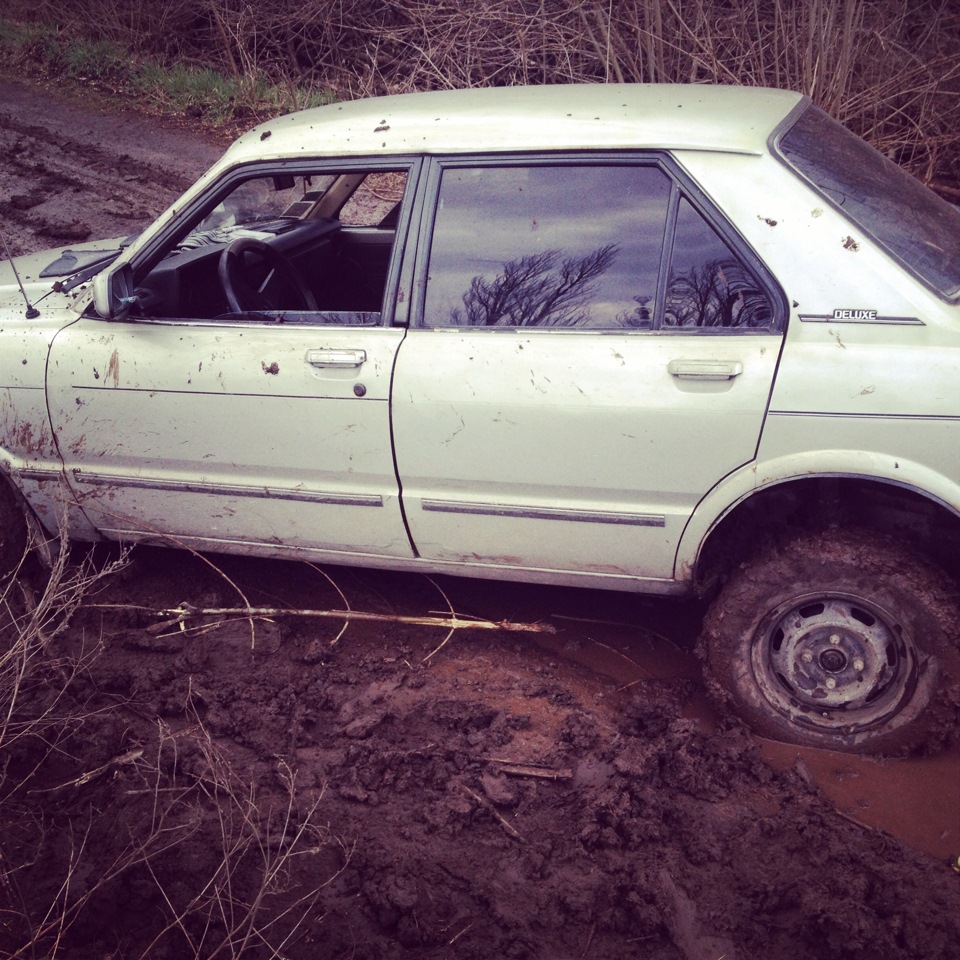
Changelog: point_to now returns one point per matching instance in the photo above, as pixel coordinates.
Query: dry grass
(35, 678)
(75, 835)
(890, 69)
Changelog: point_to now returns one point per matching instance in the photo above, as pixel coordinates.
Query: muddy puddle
(631, 639)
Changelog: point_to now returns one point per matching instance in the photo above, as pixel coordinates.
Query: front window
(912, 223)
(315, 245)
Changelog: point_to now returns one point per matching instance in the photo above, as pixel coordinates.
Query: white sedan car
(665, 339)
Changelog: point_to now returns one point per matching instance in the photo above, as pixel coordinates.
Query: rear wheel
(846, 640)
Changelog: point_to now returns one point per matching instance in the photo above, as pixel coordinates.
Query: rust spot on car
(272, 369)
(769, 221)
(266, 135)
(382, 127)
(850, 244)
(113, 368)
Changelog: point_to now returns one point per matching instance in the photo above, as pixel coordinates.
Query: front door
(223, 434)
(246, 403)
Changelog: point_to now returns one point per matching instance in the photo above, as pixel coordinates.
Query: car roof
(501, 119)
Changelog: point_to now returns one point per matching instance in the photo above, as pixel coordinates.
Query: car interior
(307, 253)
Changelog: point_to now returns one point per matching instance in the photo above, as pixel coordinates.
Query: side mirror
(113, 292)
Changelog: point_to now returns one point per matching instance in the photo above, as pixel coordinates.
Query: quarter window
(708, 286)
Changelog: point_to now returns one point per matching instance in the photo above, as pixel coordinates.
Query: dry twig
(178, 616)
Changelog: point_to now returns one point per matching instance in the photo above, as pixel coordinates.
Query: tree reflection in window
(582, 246)
(708, 286)
(547, 246)
(539, 290)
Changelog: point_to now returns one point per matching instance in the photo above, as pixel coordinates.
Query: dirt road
(313, 788)
(72, 171)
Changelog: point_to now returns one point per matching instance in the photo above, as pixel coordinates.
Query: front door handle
(705, 369)
(336, 358)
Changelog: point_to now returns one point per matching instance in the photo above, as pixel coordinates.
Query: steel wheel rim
(835, 663)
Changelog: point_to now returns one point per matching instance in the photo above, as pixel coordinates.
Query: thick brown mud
(497, 794)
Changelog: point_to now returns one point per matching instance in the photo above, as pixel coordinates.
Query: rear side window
(605, 246)
(708, 287)
(912, 223)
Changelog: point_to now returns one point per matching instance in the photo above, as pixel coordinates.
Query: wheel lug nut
(831, 683)
(806, 656)
(858, 664)
(834, 638)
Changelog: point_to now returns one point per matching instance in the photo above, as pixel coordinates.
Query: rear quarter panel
(872, 392)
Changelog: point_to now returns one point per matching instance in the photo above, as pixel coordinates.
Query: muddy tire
(846, 640)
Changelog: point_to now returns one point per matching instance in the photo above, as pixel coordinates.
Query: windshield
(912, 223)
(263, 199)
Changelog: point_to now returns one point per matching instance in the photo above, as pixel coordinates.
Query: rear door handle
(705, 369)
(336, 358)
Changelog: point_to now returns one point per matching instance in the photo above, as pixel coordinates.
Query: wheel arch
(15, 509)
(756, 504)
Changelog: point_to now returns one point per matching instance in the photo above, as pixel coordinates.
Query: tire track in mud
(68, 174)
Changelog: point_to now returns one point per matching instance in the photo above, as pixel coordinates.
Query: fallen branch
(533, 770)
(131, 756)
(177, 616)
(509, 827)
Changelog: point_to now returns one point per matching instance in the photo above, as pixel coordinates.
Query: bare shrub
(105, 813)
(35, 675)
(890, 69)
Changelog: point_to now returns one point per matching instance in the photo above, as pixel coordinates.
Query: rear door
(593, 352)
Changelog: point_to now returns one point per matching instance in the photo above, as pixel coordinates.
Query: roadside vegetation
(889, 69)
(259, 853)
(180, 88)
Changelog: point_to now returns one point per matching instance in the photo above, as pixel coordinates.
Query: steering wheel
(243, 296)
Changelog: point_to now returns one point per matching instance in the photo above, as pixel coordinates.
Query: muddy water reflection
(917, 800)
(637, 638)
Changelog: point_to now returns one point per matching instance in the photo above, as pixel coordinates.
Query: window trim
(682, 187)
(394, 309)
